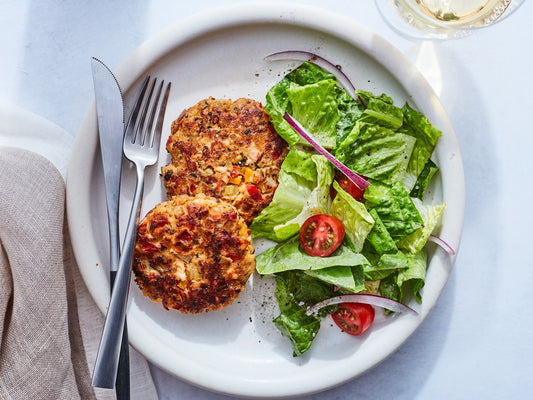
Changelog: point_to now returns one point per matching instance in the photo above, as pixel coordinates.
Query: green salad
(385, 226)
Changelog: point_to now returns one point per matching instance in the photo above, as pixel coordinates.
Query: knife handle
(122, 387)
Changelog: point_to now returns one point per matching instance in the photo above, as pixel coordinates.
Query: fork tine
(142, 129)
(149, 135)
(132, 120)
(159, 124)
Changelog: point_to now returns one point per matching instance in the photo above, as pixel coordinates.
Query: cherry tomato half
(349, 187)
(354, 318)
(321, 234)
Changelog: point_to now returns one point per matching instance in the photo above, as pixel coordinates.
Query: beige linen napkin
(49, 325)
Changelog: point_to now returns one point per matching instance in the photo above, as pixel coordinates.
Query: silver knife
(110, 113)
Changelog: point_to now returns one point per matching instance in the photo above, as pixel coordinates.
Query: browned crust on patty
(225, 149)
(193, 254)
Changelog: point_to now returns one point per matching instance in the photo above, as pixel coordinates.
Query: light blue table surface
(476, 343)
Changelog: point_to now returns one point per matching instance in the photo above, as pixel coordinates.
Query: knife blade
(110, 115)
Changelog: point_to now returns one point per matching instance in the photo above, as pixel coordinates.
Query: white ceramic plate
(237, 350)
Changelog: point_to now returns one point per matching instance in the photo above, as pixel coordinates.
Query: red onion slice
(371, 299)
(358, 180)
(326, 65)
(442, 244)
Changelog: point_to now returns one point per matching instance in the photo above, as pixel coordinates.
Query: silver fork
(141, 147)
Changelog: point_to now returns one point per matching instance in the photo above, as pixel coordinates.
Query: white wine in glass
(444, 18)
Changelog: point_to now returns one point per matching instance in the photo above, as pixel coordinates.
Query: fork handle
(106, 367)
(122, 385)
(123, 375)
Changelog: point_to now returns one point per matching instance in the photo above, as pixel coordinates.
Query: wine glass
(444, 19)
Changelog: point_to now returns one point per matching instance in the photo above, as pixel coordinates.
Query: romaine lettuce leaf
(305, 289)
(379, 237)
(353, 215)
(315, 107)
(365, 96)
(292, 322)
(388, 287)
(376, 152)
(277, 103)
(396, 286)
(312, 97)
(376, 191)
(277, 100)
(345, 277)
(417, 125)
(423, 180)
(289, 255)
(294, 292)
(382, 113)
(303, 190)
(395, 209)
(385, 265)
(349, 111)
(308, 73)
(297, 326)
(430, 215)
(415, 274)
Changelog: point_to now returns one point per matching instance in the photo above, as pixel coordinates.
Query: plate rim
(229, 16)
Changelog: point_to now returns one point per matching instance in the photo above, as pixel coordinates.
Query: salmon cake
(193, 254)
(225, 149)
